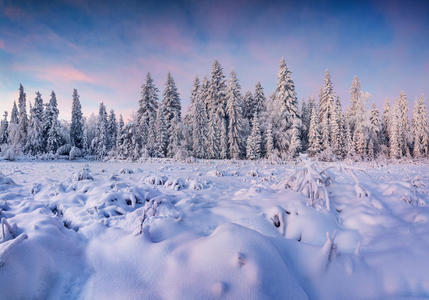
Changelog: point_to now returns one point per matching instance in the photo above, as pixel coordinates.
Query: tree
(162, 141)
(285, 105)
(403, 124)
(374, 128)
(51, 125)
(146, 115)
(385, 123)
(23, 119)
(4, 129)
(236, 122)
(100, 142)
(269, 142)
(254, 141)
(171, 109)
(395, 132)
(112, 130)
(420, 128)
(216, 103)
(326, 109)
(76, 127)
(35, 141)
(314, 139)
(199, 121)
(248, 107)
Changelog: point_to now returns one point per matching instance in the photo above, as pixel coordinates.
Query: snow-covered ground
(210, 230)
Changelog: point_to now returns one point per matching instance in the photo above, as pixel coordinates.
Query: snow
(213, 229)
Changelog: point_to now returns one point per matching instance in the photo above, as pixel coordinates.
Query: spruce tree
(171, 109)
(146, 116)
(285, 106)
(234, 106)
(326, 109)
(385, 123)
(314, 139)
(51, 125)
(35, 141)
(76, 127)
(254, 141)
(23, 119)
(162, 141)
(112, 130)
(4, 129)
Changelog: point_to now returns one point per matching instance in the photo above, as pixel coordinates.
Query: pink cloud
(2, 45)
(65, 74)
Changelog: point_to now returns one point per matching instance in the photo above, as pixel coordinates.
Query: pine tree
(199, 124)
(76, 127)
(190, 115)
(23, 119)
(35, 141)
(216, 103)
(146, 116)
(326, 109)
(254, 141)
(285, 106)
(248, 107)
(385, 123)
(295, 141)
(404, 126)
(100, 142)
(360, 141)
(420, 128)
(337, 130)
(14, 118)
(112, 130)
(51, 125)
(162, 135)
(171, 109)
(269, 142)
(395, 132)
(4, 129)
(374, 128)
(356, 111)
(259, 99)
(236, 123)
(314, 139)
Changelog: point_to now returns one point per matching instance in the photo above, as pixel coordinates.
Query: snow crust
(213, 230)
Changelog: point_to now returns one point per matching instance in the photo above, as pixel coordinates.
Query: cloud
(2, 45)
(14, 13)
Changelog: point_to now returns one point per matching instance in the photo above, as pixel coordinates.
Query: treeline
(222, 123)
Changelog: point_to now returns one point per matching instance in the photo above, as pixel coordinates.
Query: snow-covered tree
(146, 115)
(326, 109)
(254, 141)
(171, 109)
(162, 141)
(23, 119)
(395, 150)
(356, 111)
(76, 127)
(420, 128)
(269, 148)
(4, 129)
(374, 128)
(100, 142)
(216, 104)
(314, 139)
(403, 124)
(385, 124)
(199, 121)
(295, 140)
(248, 106)
(51, 125)
(35, 142)
(14, 118)
(236, 121)
(285, 109)
(112, 130)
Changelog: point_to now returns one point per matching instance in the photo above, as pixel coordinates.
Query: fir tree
(171, 109)
(112, 130)
(326, 109)
(269, 142)
(146, 115)
(35, 141)
(314, 139)
(51, 125)
(23, 119)
(236, 123)
(76, 127)
(100, 142)
(254, 141)
(285, 108)
(421, 129)
(385, 123)
(162, 141)
(4, 129)
(199, 124)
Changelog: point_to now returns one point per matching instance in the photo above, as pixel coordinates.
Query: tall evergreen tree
(35, 141)
(112, 130)
(326, 109)
(285, 105)
(216, 104)
(146, 115)
(76, 127)
(421, 129)
(314, 139)
(51, 125)
(234, 104)
(199, 124)
(4, 129)
(404, 126)
(374, 128)
(162, 134)
(254, 141)
(385, 123)
(23, 119)
(171, 109)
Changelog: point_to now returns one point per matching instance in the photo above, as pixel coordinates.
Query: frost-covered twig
(6, 247)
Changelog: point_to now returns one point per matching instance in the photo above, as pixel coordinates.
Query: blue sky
(105, 48)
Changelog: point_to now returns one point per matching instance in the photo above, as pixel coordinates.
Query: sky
(105, 48)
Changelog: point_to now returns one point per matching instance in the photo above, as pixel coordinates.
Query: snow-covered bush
(64, 149)
(75, 153)
(83, 174)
